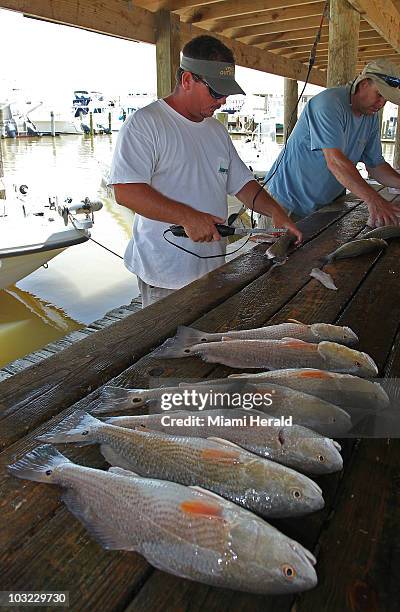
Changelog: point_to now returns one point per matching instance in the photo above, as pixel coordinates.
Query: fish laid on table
(273, 354)
(305, 410)
(340, 389)
(354, 248)
(295, 446)
(115, 399)
(316, 332)
(187, 532)
(324, 278)
(278, 251)
(255, 483)
(385, 233)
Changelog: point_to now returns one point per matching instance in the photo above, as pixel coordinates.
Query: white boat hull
(60, 127)
(17, 262)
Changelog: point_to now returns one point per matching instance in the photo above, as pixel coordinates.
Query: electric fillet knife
(226, 230)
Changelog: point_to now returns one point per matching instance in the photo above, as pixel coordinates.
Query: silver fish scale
(301, 447)
(340, 389)
(149, 502)
(258, 354)
(269, 485)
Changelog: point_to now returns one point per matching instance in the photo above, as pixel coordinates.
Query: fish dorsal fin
(293, 342)
(201, 507)
(107, 534)
(296, 321)
(224, 442)
(122, 472)
(208, 493)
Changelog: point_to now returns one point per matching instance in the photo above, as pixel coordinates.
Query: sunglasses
(389, 80)
(214, 94)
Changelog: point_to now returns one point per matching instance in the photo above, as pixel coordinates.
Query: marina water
(84, 282)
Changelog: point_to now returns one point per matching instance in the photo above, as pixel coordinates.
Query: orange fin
(295, 343)
(221, 455)
(204, 508)
(296, 321)
(316, 374)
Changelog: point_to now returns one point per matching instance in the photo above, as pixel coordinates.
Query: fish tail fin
(38, 464)
(78, 427)
(118, 398)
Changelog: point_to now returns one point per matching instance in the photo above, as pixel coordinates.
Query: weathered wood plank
(167, 52)
(383, 16)
(113, 17)
(33, 396)
(344, 26)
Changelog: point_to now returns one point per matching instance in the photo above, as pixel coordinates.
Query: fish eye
(296, 493)
(358, 364)
(289, 571)
(135, 400)
(321, 458)
(49, 472)
(203, 339)
(186, 350)
(85, 433)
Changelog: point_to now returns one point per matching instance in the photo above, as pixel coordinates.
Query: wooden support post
(290, 95)
(344, 26)
(2, 190)
(167, 51)
(396, 154)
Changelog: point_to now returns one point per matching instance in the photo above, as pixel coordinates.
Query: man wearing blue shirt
(339, 128)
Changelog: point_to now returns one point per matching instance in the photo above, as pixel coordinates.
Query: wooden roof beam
(232, 8)
(291, 25)
(383, 16)
(300, 34)
(257, 59)
(288, 29)
(171, 5)
(280, 17)
(297, 45)
(112, 17)
(323, 50)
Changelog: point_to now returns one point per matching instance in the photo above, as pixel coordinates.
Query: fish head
(334, 333)
(341, 358)
(316, 454)
(115, 399)
(301, 494)
(281, 490)
(269, 561)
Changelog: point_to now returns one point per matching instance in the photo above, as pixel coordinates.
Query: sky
(50, 61)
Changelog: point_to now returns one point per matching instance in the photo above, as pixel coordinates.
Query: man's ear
(186, 81)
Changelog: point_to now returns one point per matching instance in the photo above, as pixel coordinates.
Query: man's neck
(178, 103)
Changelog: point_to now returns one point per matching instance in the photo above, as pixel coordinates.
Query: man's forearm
(263, 204)
(385, 175)
(150, 203)
(347, 174)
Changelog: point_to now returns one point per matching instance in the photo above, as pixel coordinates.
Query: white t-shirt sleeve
(239, 174)
(135, 156)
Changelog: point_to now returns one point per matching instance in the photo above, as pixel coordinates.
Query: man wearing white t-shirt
(175, 164)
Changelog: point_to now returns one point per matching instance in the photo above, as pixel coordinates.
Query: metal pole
(52, 124)
(109, 122)
(396, 154)
(91, 123)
